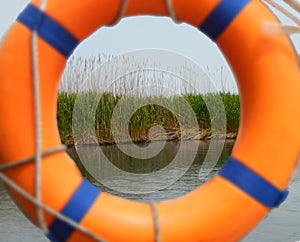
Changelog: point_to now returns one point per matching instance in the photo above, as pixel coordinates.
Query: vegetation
(142, 119)
(89, 96)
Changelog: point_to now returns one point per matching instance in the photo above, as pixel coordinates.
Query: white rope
(171, 11)
(32, 158)
(38, 124)
(123, 8)
(39, 154)
(278, 29)
(295, 4)
(38, 146)
(35, 201)
(275, 29)
(155, 221)
(120, 14)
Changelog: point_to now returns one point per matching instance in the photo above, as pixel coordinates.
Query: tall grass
(101, 90)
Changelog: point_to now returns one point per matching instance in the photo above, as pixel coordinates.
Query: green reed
(143, 118)
(99, 93)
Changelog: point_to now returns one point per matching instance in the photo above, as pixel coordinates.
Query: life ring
(227, 207)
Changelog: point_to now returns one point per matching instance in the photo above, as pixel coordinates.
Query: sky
(143, 32)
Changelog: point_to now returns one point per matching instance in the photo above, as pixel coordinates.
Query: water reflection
(280, 225)
(145, 187)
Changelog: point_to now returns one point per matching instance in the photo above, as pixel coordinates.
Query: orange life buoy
(225, 208)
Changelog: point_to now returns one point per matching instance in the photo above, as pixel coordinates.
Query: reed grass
(84, 83)
(145, 117)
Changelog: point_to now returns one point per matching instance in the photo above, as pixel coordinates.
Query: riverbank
(175, 135)
(149, 122)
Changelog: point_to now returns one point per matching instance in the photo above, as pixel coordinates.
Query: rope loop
(120, 14)
(124, 5)
(295, 4)
(155, 221)
(277, 29)
(32, 158)
(171, 11)
(37, 117)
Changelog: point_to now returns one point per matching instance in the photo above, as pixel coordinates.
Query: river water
(281, 224)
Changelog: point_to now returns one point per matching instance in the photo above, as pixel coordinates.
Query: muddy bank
(154, 135)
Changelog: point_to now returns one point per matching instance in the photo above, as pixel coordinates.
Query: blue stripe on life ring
(252, 184)
(77, 207)
(219, 19)
(49, 30)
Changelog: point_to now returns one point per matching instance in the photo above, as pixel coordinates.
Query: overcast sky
(140, 33)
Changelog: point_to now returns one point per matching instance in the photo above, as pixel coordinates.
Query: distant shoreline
(169, 136)
(93, 118)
